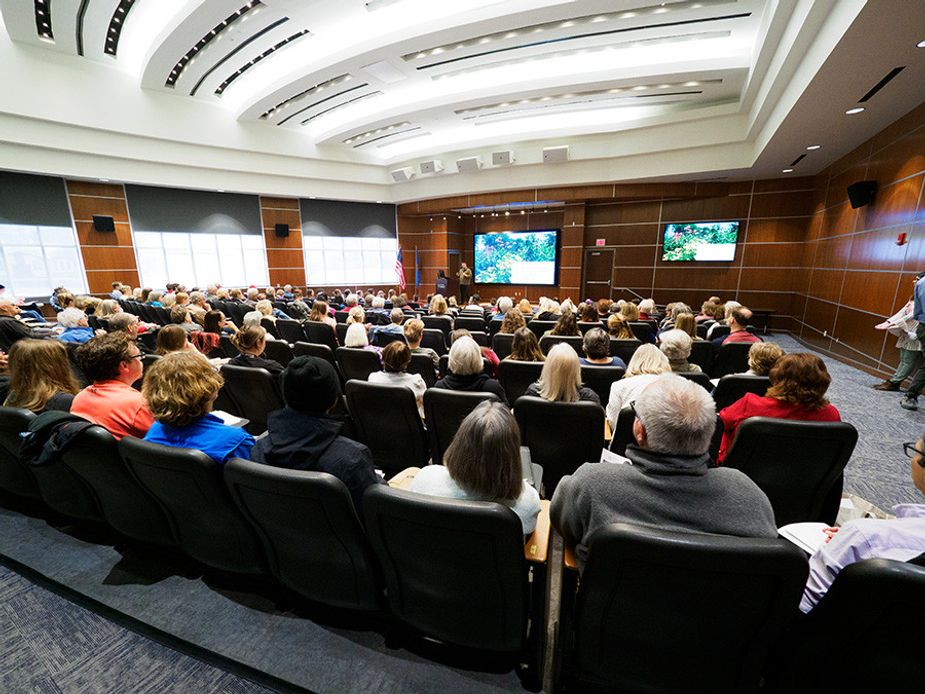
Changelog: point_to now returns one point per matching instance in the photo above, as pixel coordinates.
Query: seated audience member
(483, 464)
(180, 390)
(198, 305)
(707, 309)
(604, 308)
(396, 356)
(504, 305)
(671, 485)
(618, 327)
(647, 364)
(112, 363)
(116, 292)
(629, 311)
(356, 314)
(587, 313)
(465, 370)
(40, 376)
(900, 539)
(414, 333)
(525, 347)
(798, 385)
(685, 321)
(673, 312)
(172, 338)
(512, 322)
(738, 323)
(76, 326)
(107, 308)
(525, 308)
(549, 309)
(215, 322)
(321, 314)
(11, 328)
(265, 306)
(676, 345)
(251, 343)
(358, 338)
(560, 380)
(723, 315)
(646, 309)
(183, 317)
(488, 354)
(565, 325)
(596, 346)
(154, 298)
(762, 356)
(301, 436)
(254, 319)
(438, 309)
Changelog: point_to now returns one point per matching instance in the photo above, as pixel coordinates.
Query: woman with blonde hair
(356, 315)
(525, 307)
(618, 328)
(647, 364)
(525, 347)
(107, 308)
(438, 309)
(320, 313)
(762, 356)
(630, 311)
(560, 380)
(512, 322)
(265, 307)
(685, 321)
(180, 389)
(251, 343)
(358, 338)
(40, 376)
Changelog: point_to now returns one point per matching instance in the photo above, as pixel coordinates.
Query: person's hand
(829, 533)
(4, 361)
(99, 331)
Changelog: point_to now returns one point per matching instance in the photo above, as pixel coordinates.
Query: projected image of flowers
(515, 258)
(714, 241)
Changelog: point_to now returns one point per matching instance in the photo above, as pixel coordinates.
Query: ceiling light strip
(881, 84)
(315, 88)
(81, 11)
(116, 24)
(240, 47)
(569, 105)
(575, 37)
(321, 101)
(341, 105)
(42, 9)
(370, 133)
(205, 40)
(266, 54)
(383, 137)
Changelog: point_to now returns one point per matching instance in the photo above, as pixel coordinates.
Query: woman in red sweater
(798, 385)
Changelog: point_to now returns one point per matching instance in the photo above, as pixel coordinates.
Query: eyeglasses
(135, 356)
(911, 451)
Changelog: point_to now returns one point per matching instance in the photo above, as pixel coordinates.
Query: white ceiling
(327, 97)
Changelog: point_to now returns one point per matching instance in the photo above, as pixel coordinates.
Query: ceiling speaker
(402, 175)
(430, 167)
(861, 193)
(469, 164)
(103, 223)
(552, 155)
(504, 158)
(282, 231)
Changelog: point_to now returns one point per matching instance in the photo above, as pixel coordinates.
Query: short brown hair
(512, 322)
(180, 388)
(484, 457)
(762, 356)
(395, 357)
(170, 338)
(800, 378)
(100, 357)
(414, 330)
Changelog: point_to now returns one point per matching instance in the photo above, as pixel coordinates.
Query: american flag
(400, 271)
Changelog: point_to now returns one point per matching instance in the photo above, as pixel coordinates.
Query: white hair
(252, 318)
(356, 336)
(465, 357)
(252, 293)
(730, 307)
(505, 304)
(647, 306)
(265, 307)
(196, 297)
(679, 416)
(71, 317)
(567, 305)
(351, 300)
(675, 344)
(378, 302)
(648, 359)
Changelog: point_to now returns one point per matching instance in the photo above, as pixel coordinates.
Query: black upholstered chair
(517, 376)
(698, 377)
(797, 464)
(575, 342)
(702, 354)
(642, 330)
(622, 433)
(356, 363)
(494, 326)
(438, 323)
(539, 327)
(480, 337)
(269, 325)
(228, 347)
(718, 331)
(647, 595)
(310, 349)
(290, 330)
(387, 420)
(733, 387)
(67, 493)
(125, 505)
(255, 393)
(189, 488)
(423, 365)
(340, 330)
(341, 316)
(277, 350)
(625, 349)
(320, 334)
(702, 329)
(445, 410)
(877, 599)
(15, 475)
(600, 378)
(434, 339)
(472, 324)
(502, 344)
(381, 339)
(561, 436)
(310, 532)
(731, 358)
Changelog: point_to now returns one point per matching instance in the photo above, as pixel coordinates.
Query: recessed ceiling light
(378, 202)
(104, 180)
(920, 44)
(813, 148)
(787, 171)
(852, 111)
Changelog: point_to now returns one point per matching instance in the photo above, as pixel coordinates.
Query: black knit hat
(310, 384)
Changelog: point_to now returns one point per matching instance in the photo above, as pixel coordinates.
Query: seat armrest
(536, 547)
(608, 434)
(568, 558)
(404, 478)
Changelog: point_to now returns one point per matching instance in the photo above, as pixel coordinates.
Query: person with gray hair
(504, 305)
(676, 345)
(76, 327)
(465, 370)
(596, 346)
(671, 484)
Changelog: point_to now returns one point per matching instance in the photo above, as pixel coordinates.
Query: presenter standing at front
(465, 279)
(911, 401)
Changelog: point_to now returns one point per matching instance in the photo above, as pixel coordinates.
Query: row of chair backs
(320, 334)
(15, 475)
(445, 410)
(254, 393)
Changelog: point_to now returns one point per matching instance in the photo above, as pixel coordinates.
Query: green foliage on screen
(682, 241)
(496, 254)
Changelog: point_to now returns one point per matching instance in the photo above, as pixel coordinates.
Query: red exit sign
(600, 242)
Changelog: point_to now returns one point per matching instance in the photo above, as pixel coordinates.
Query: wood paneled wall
(108, 257)
(856, 274)
(284, 255)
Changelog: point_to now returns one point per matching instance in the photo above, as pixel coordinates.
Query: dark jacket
(300, 441)
(479, 382)
(274, 367)
(12, 330)
(585, 394)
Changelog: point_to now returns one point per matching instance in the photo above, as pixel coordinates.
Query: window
(334, 260)
(196, 260)
(36, 259)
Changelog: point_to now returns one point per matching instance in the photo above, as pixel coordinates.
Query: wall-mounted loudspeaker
(861, 193)
(103, 223)
(282, 231)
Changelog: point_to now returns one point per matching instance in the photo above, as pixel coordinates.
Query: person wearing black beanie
(302, 437)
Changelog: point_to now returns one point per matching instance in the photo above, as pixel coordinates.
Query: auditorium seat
(599, 379)
(660, 611)
(642, 330)
(574, 341)
(320, 334)
(278, 351)
(444, 411)
(290, 330)
(310, 349)
(269, 325)
(310, 532)
(625, 349)
(622, 434)
(517, 376)
(387, 420)
(125, 505)
(255, 393)
(502, 344)
(698, 377)
(539, 327)
(381, 339)
(585, 328)
(357, 363)
(438, 323)
(480, 337)
(189, 487)
(340, 330)
(472, 324)
(434, 339)
(702, 353)
(15, 475)
(423, 365)
(731, 358)
(67, 493)
(561, 436)
(228, 347)
(733, 387)
(795, 463)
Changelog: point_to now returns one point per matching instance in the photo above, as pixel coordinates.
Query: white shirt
(412, 381)
(623, 392)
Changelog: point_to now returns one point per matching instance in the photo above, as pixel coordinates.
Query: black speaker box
(103, 223)
(861, 193)
(282, 231)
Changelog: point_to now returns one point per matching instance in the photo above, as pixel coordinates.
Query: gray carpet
(879, 470)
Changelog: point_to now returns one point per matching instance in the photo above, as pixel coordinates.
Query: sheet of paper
(807, 536)
(610, 457)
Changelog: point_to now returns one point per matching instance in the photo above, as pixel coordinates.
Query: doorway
(598, 273)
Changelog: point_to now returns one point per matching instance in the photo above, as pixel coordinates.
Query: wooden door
(598, 273)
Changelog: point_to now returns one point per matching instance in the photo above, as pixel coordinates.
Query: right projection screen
(703, 241)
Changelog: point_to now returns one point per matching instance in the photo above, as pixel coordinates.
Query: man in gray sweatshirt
(670, 484)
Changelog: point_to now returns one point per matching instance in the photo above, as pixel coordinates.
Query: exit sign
(600, 242)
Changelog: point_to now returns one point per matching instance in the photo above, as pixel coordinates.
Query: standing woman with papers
(903, 324)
